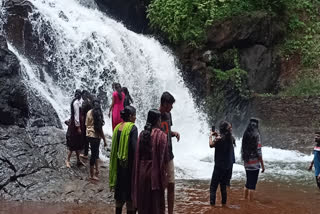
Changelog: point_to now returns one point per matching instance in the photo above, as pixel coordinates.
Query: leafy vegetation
(187, 21)
(307, 84)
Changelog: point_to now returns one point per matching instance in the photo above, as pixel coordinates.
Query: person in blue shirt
(316, 158)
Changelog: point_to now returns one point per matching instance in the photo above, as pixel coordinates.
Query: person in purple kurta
(150, 172)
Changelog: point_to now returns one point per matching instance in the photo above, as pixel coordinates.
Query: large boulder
(32, 167)
(19, 104)
(33, 43)
(246, 31)
(247, 42)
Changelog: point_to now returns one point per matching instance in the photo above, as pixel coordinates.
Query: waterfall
(88, 50)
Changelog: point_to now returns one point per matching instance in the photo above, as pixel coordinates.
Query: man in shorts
(167, 101)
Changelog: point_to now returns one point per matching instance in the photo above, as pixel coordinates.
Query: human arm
(133, 138)
(212, 143)
(262, 164)
(175, 134)
(76, 107)
(260, 155)
(103, 138)
(111, 107)
(311, 165)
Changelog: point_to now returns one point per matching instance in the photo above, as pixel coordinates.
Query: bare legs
(79, 162)
(170, 198)
(248, 194)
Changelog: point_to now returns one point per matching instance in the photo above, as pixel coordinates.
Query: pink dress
(117, 107)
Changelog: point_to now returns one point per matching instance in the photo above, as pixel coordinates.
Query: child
(316, 158)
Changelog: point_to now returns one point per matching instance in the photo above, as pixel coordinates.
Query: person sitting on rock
(74, 137)
(316, 158)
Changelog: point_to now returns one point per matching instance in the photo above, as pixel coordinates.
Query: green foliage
(236, 78)
(187, 20)
(181, 20)
(306, 86)
(303, 31)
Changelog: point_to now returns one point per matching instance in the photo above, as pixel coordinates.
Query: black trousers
(94, 146)
(86, 147)
(219, 176)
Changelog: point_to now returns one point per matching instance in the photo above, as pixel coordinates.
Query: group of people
(84, 129)
(141, 165)
(224, 159)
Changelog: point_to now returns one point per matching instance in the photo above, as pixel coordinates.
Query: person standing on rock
(252, 156)
(117, 105)
(223, 161)
(74, 137)
(94, 133)
(124, 140)
(316, 159)
(166, 103)
(150, 170)
(87, 105)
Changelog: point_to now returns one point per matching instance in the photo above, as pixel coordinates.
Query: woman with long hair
(127, 100)
(252, 156)
(87, 105)
(94, 133)
(223, 161)
(73, 136)
(124, 140)
(150, 172)
(117, 105)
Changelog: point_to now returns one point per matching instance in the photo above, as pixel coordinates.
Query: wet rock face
(20, 105)
(262, 66)
(19, 32)
(245, 42)
(246, 31)
(13, 103)
(32, 167)
(131, 12)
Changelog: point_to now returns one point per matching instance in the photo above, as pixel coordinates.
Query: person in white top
(74, 138)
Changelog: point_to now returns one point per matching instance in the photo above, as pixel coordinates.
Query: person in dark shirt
(223, 158)
(127, 99)
(87, 105)
(316, 159)
(167, 101)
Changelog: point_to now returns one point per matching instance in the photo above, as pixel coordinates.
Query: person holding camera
(223, 161)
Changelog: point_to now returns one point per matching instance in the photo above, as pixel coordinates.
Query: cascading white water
(91, 51)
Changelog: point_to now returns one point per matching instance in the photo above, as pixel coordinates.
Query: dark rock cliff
(247, 43)
(19, 105)
(131, 12)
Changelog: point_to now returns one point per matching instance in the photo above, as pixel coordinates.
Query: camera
(214, 133)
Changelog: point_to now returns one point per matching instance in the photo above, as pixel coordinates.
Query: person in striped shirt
(316, 158)
(252, 156)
